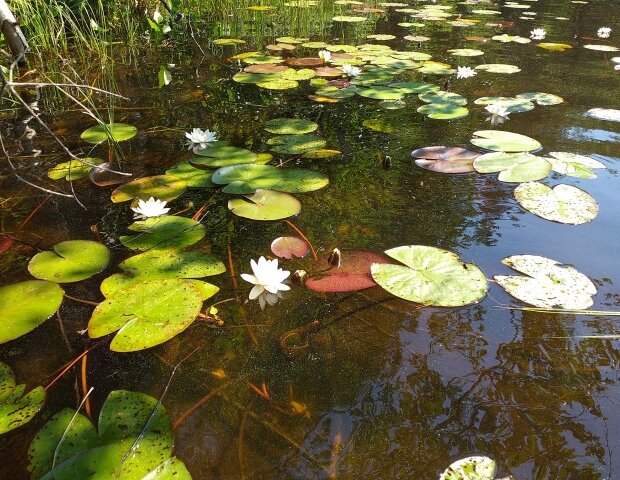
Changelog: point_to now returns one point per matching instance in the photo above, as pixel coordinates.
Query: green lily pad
(17, 409)
(436, 68)
(296, 144)
(70, 261)
(291, 40)
(290, 126)
(260, 59)
(335, 92)
(265, 205)
(563, 203)
(381, 93)
(163, 232)
(415, 87)
(68, 446)
(471, 468)
(505, 38)
(146, 314)
(223, 157)
(280, 84)
(73, 169)
(253, 78)
(500, 141)
(315, 45)
(297, 75)
(513, 105)
(549, 284)
(513, 167)
(556, 47)
(122, 281)
(300, 180)
(321, 153)
(163, 187)
(117, 132)
(465, 52)
(192, 176)
(244, 179)
(498, 68)
(541, 98)
(440, 96)
(443, 111)
(573, 165)
(173, 264)
(228, 41)
(430, 276)
(26, 305)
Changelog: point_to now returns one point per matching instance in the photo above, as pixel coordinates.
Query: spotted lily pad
(471, 468)
(265, 205)
(69, 446)
(223, 157)
(116, 132)
(500, 141)
(445, 159)
(70, 261)
(163, 232)
(431, 276)
(279, 84)
(290, 126)
(289, 247)
(573, 165)
(17, 409)
(563, 203)
(163, 187)
(244, 179)
(352, 275)
(513, 167)
(26, 305)
(146, 314)
(549, 284)
(172, 263)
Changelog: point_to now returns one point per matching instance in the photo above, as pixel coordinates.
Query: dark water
(388, 389)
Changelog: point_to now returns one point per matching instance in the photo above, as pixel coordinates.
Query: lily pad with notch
(73, 169)
(290, 126)
(445, 159)
(574, 165)
(443, 111)
(352, 275)
(265, 205)
(501, 141)
(163, 187)
(116, 132)
(471, 468)
(289, 247)
(193, 177)
(512, 104)
(17, 409)
(70, 261)
(513, 167)
(295, 144)
(247, 178)
(223, 157)
(163, 232)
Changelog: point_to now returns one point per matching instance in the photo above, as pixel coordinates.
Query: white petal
(249, 278)
(256, 291)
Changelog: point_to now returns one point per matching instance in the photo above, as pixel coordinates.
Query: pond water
(382, 388)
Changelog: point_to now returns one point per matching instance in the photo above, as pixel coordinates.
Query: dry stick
(198, 404)
(231, 266)
(87, 302)
(240, 444)
(300, 233)
(71, 364)
(85, 389)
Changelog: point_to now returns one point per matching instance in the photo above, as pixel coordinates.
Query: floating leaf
(436, 68)
(265, 205)
(608, 114)
(348, 19)
(163, 232)
(259, 58)
(223, 157)
(442, 97)
(556, 47)
(163, 187)
(265, 68)
(431, 276)
(146, 314)
(279, 84)
(103, 177)
(465, 52)
(498, 68)
(505, 38)
(381, 93)
(541, 98)
(243, 179)
(290, 126)
(253, 78)
(415, 87)
(602, 48)
(228, 41)
(73, 169)
(563, 203)
(116, 132)
(173, 264)
(549, 284)
(17, 409)
(26, 305)
(68, 446)
(443, 111)
(573, 165)
(296, 144)
(352, 275)
(513, 105)
(192, 176)
(321, 153)
(445, 159)
(500, 141)
(303, 74)
(300, 180)
(70, 261)
(289, 247)
(513, 167)
(471, 468)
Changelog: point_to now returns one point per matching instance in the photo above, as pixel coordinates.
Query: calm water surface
(388, 389)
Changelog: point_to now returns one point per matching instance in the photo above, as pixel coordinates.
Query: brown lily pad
(103, 177)
(417, 38)
(445, 159)
(353, 274)
(289, 247)
(305, 62)
(328, 72)
(342, 56)
(265, 68)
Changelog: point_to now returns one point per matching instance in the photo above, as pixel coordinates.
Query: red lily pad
(288, 247)
(445, 159)
(353, 274)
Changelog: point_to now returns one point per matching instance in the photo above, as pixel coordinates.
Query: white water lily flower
(350, 70)
(465, 72)
(267, 280)
(150, 208)
(199, 139)
(325, 55)
(498, 113)
(603, 32)
(538, 34)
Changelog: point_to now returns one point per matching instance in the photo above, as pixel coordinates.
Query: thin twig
(85, 388)
(300, 233)
(198, 404)
(71, 364)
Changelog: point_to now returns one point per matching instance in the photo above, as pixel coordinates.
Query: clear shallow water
(391, 390)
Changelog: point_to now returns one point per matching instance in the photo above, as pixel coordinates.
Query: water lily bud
(386, 163)
(334, 258)
(299, 277)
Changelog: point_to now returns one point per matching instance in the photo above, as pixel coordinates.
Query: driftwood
(13, 34)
